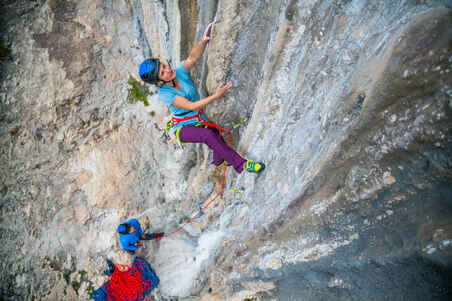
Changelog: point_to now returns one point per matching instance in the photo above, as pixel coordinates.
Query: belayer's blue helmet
(149, 70)
(123, 228)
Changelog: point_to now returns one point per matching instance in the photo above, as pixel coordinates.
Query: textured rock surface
(349, 103)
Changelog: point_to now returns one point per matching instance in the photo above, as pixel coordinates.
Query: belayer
(130, 235)
(177, 90)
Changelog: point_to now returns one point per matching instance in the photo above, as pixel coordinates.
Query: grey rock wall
(348, 103)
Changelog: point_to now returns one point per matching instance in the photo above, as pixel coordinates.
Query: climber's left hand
(207, 32)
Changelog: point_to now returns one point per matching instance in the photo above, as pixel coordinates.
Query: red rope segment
(126, 283)
(209, 124)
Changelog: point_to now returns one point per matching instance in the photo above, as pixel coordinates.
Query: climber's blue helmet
(123, 228)
(149, 70)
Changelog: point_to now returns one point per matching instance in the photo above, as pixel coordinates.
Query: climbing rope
(126, 283)
(222, 182)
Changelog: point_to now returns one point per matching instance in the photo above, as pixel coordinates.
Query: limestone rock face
(348, 103)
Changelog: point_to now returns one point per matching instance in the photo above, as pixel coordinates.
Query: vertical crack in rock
(189, 11)
(141, 36)
(207, 14)
(165, 31)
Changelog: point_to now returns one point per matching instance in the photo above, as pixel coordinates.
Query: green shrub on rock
(137, 92)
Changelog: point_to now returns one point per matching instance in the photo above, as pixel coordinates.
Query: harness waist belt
(175, 121)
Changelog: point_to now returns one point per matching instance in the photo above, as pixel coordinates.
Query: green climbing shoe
(252, 166)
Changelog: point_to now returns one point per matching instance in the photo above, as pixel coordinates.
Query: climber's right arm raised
(198, 50)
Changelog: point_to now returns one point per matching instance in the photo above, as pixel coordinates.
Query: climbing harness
(202, 122)
(174, 121)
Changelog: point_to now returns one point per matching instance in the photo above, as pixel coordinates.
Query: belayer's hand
(207, 32)
(159, 235)
(223, 89)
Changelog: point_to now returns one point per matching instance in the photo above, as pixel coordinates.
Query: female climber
(178, 92)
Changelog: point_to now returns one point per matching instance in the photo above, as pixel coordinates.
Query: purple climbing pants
(209, 136)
